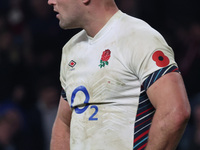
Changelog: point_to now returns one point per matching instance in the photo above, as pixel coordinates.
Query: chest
(97, 74)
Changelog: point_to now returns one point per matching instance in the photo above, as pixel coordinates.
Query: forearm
(166, 131)
(60, 136)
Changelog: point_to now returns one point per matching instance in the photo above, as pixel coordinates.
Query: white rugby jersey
(105, 79)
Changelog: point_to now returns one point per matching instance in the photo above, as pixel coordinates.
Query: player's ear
(86, 2)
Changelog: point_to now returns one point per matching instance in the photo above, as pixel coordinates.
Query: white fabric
(113, 90)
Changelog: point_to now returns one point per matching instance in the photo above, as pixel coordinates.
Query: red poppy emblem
(104, 58)
(160, 59)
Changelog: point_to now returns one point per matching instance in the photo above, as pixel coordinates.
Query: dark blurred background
(31, 42)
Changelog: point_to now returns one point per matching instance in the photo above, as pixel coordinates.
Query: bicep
(168, 93)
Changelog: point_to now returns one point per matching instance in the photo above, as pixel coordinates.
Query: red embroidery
(106, 55)
(104, 58)
(72, 63)
(160, 59)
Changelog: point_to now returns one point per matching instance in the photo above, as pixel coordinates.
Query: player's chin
(63, 26)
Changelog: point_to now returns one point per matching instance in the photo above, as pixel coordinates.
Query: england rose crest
(104, 58)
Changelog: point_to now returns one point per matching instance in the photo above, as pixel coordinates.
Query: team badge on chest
(104, 58)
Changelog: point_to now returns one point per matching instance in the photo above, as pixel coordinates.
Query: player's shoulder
(138, 27)
(137, 33)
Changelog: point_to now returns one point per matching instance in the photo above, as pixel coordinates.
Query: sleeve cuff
(157, 74)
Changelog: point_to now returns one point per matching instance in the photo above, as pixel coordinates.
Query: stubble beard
(68, 24)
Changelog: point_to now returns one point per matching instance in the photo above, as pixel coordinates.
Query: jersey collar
(106, 28)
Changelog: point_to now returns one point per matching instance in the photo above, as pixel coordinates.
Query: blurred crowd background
(30, 50)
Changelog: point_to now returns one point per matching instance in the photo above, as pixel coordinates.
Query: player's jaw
(67, 19)
(68, 12)
(67, 22)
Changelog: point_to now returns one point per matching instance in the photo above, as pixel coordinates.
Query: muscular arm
(169, 97)
(61, 130)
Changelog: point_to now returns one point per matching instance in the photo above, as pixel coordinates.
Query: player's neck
(98, 20)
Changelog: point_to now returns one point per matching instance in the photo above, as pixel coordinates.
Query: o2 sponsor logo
(86, 102)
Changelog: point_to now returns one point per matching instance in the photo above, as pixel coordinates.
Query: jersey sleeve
(157, 74)
(63, 94)
(152, 58)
